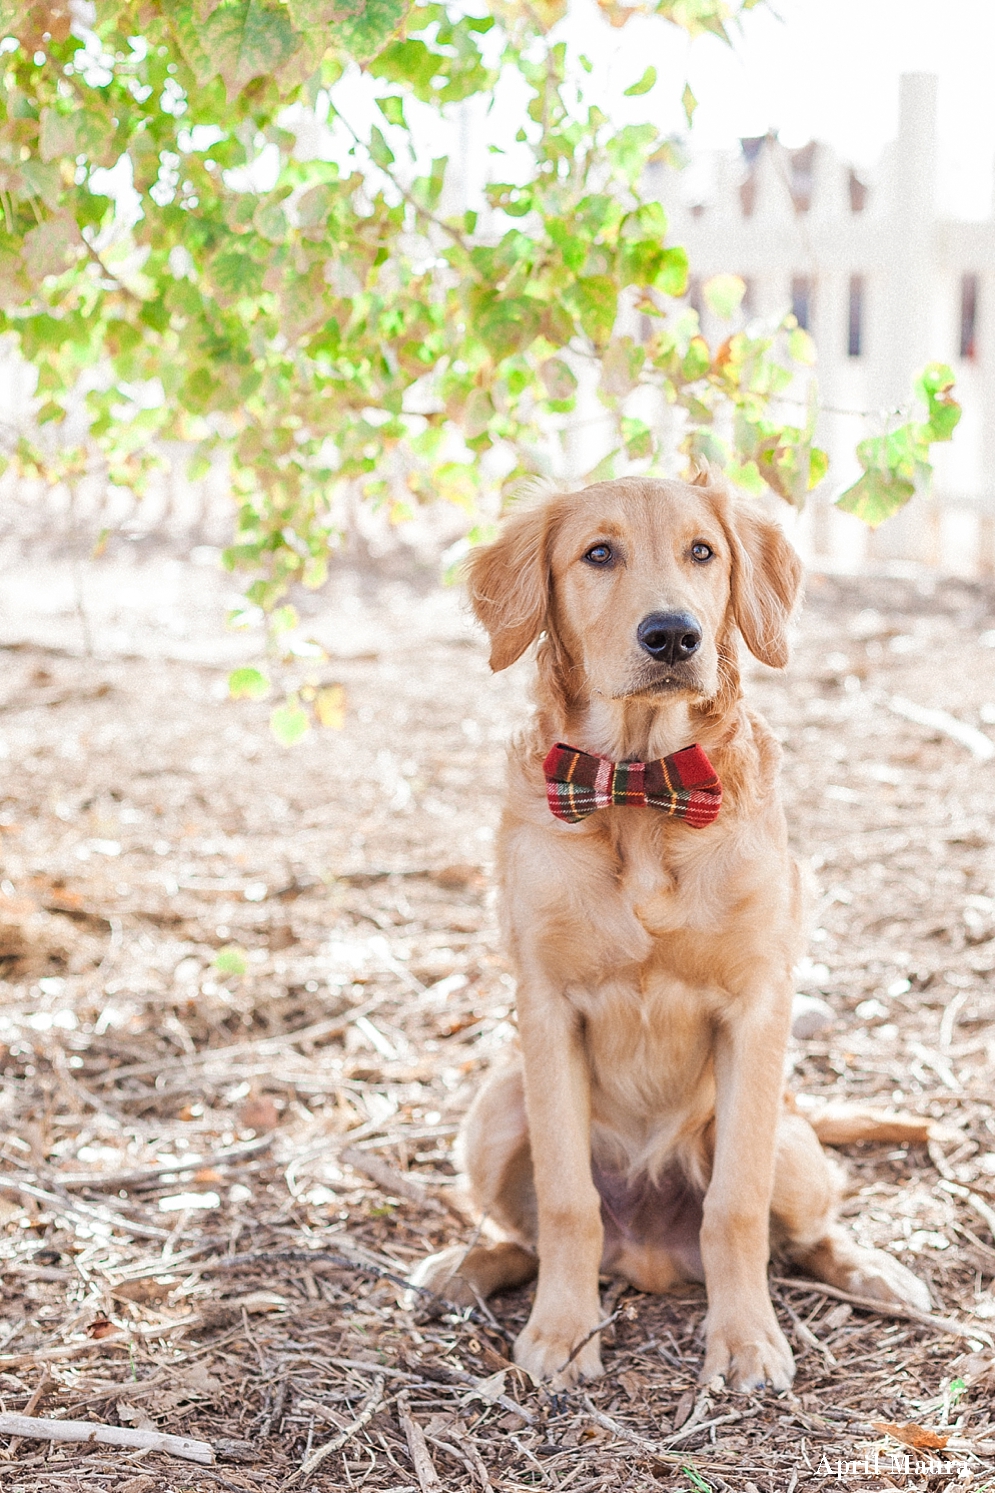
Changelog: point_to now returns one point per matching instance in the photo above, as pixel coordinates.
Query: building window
(855, 320)
(801, 300)
(968, 316)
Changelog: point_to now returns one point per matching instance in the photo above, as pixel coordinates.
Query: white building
(885, 286)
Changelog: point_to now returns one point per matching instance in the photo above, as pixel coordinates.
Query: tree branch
(408, 197)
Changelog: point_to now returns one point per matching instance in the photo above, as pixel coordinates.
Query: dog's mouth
(669, 681)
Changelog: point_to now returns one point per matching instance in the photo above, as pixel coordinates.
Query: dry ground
(206, 1173)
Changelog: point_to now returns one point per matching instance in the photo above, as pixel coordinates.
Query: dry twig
(89, 1432)
(371, 1405)
(421, 1460)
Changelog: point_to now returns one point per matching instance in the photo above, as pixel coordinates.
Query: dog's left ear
(766, 577)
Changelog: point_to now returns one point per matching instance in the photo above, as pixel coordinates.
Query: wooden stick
(428, 1478)
(89, 1431)
(984, 1210)
(143, 1175)
(81, 1210)
(371, 1405)
(886, 1308)
(332, 1026)
(390, 1180)
(44, 1384)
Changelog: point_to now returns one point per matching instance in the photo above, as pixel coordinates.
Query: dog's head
(637, 585)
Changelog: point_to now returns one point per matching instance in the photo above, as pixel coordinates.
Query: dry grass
(311, 1102)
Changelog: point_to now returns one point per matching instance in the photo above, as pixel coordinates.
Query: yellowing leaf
(723, 294)
(801, 348)
(876, 497)
(57, 136)
(47, 247)
(330, 706)
(245, 39)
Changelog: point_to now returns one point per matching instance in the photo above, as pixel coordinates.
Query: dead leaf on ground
(911, 1434)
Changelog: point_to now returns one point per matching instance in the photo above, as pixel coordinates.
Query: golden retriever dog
(643, 1132)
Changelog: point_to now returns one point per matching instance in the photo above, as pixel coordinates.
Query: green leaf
(392, 109)
(690, 104)
(631, 148)
(934, 385)
(644, 85)
(818, 466)
(248, 684)
(289, 722)
(363, 27)
(594, 301)
(672, 276)
(283, 619)
(505, 326)
(231, 960)
(876, 497)
(637, 438)
(723, 294)
(747, 476)
(381, 152)
(270, 222)
(696, 360)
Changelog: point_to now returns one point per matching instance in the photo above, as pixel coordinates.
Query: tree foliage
(171, 257)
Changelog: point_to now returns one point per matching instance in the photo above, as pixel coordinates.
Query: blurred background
(225, 962)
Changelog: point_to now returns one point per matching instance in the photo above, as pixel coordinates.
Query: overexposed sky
(822, 68)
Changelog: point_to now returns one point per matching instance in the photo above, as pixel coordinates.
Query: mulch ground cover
(247, 993)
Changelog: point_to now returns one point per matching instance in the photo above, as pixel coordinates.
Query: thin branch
(886, 1308)
(408, 196)
(421, 1460)
(371, 1405)
(588, 1336)
(110, 275)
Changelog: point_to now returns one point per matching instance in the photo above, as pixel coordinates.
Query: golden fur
(643, 1131)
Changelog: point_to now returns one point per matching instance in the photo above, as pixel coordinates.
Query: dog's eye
(701, 551)
(599, 554)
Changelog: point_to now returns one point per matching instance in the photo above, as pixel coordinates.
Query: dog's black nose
(669, 637)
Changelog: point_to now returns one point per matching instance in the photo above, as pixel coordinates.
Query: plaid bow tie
(683, 785)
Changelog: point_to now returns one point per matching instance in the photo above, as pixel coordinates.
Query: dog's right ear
(508, 582)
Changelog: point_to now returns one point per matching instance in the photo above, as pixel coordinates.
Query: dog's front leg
(743, 1341)
(558, 1102)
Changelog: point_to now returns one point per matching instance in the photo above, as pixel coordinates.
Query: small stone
(810, 1015)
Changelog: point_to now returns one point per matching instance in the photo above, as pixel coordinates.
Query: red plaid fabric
(683, 785)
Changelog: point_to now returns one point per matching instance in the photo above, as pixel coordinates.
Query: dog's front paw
(880, 1277)
(749, 1355)
(439, 1274)
(545, 1353)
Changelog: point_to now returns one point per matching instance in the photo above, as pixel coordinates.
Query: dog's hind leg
(807, 1188)
(495, 1155)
